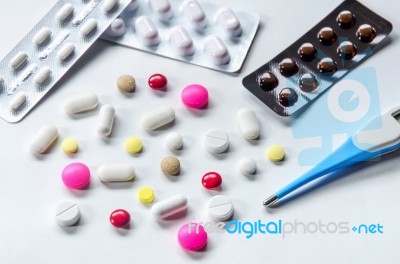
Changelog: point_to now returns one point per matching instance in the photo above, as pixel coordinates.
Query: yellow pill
(70, 145)
(133, 145)
(276, 153)
(146, 195)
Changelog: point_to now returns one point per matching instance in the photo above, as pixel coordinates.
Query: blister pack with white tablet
(203, 34)
(49, 50)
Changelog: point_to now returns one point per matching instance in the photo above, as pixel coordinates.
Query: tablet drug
(211, 180)
(42, 76)
(181, 41)
(88, 27)
(194, 13)
(169, 207)
(216, 50)
(81, 103)
(192, 236)
(162, 9)
(42, 36)
(229, 22)
(76, 176)
(67, 213)
(158, 117)
(69, 146)
(145, 195)
(116, 172)
(220, 208)
(18, 60)
(157, 81)
(65, 12)
(174, 141)
(248, 123)
(216, 141)
(147, 31)
(195, 96)
(133, 145)
(109, 5)
(170, 166)
(18, 100)
(276, 153)
(247, 166)
(120, 218)
(117, 28)
(43, 139)
(66, 51)
(126, 83)
(105, 121)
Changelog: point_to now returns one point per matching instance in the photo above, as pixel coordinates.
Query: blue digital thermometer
(380, 136)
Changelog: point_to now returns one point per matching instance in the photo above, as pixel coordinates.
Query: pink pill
(76, 176)
(192, 237)
(195, 96)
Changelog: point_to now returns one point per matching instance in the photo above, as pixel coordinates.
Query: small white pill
(216, 141)
(181, 41)
(18, 60)
(158, 117)
(247, 166)
(67, 213)
(169, 207)
(105, 120)
(65, 12)
(80, 103)
(216, 50)
(116, 172)
(42, 36)
(89, 27)
(117, 28)
(147, 31)
(42, 76)
(174, 141)
(193, 12)
(17, 101)
(248, 123)
(109, 5)
(66, 51)
(162, 8)
(43, 139)
(220, 208)
(228, 21)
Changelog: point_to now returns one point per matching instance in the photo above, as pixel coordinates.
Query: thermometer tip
(270, 200)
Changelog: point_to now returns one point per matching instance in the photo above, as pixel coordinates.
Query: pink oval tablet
(192, 237)
(195, 96)
(76, 176)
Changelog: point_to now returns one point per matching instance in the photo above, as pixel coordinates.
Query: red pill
(157, 81)
(120, 218)
(211, 180)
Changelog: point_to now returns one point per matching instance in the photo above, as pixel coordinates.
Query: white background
(30, 187)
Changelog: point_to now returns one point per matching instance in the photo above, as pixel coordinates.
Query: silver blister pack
(203, 34)
(49, 50)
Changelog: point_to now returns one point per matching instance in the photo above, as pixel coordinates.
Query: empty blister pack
(319, 59)
(203, 34)
(49, 50)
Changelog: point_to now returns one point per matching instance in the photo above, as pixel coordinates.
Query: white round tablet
(247, 166)
(67, 213)
(216, 141)
(220, 208)
(174, 141)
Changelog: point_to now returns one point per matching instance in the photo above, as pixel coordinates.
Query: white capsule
(117, 28)
(228, 21)
(43, 139)
(18, 60)
(89, 27)
(116, 172)
(80, 103)
(193, 12)
(17, 101)
(169, 207)
(158, 117)
(220, 208)
(216, 50)
(247, 166)
(147, 31)
(109, 5)
(162, 8)
(65, 12)
(248, 123)
(66, 51)
(42, 76)
(105, 120)
(67, 213)
(42, 36)
(216, 141)
(181, 41)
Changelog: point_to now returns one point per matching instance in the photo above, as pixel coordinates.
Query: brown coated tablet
(170, 166)
(345, 19)
(307, 51)
(327, 36)
(268, 81)
(126, 83)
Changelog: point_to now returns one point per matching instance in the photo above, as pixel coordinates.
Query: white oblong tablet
(89, 27)
(105, 120)
(220, 208)
(18, 60)
(67, 213)
(162, 9)
(80, 103)
(116, 172)
(17, 101)
(216, 50)
(229, 22)
(42, 76)
(181, 41)
(247, 166)
(117, 28)
(193, 12)
(65, 12)
(169, 207)
(42, 36)
(109, 5)
(147, 31)
(248, 123)
(43, 139)
(158, 117)
(216, 141)
(66, 51)
(174, 141)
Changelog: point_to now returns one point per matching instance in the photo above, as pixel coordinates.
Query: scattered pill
(42, 36)
(181, 41)
(248, 123)
(193, 12)
(228, 21)
(211, 180)
(65, 12)
(43, 139)
(116, 172)
(147, 31)
(247, 166)
(174, 141)
(220, 208)
(276, 153)
(120, 218)
(69, 146)
(105, 120)
(66, 51)
(18, 60)
(195, 96)
(126, 83)
(145, 195)
(170, 166)
(192, 236)
(169, 207)
(89, 27)
(17, 101)
(158, 117)
(117, 28)
(133, 145)
(76, 176)
(109, 5)
(216, 50)
(67, 213)
(162, 9)
(42, 76)
(157, 81)
(216, 141)
(81, 103)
